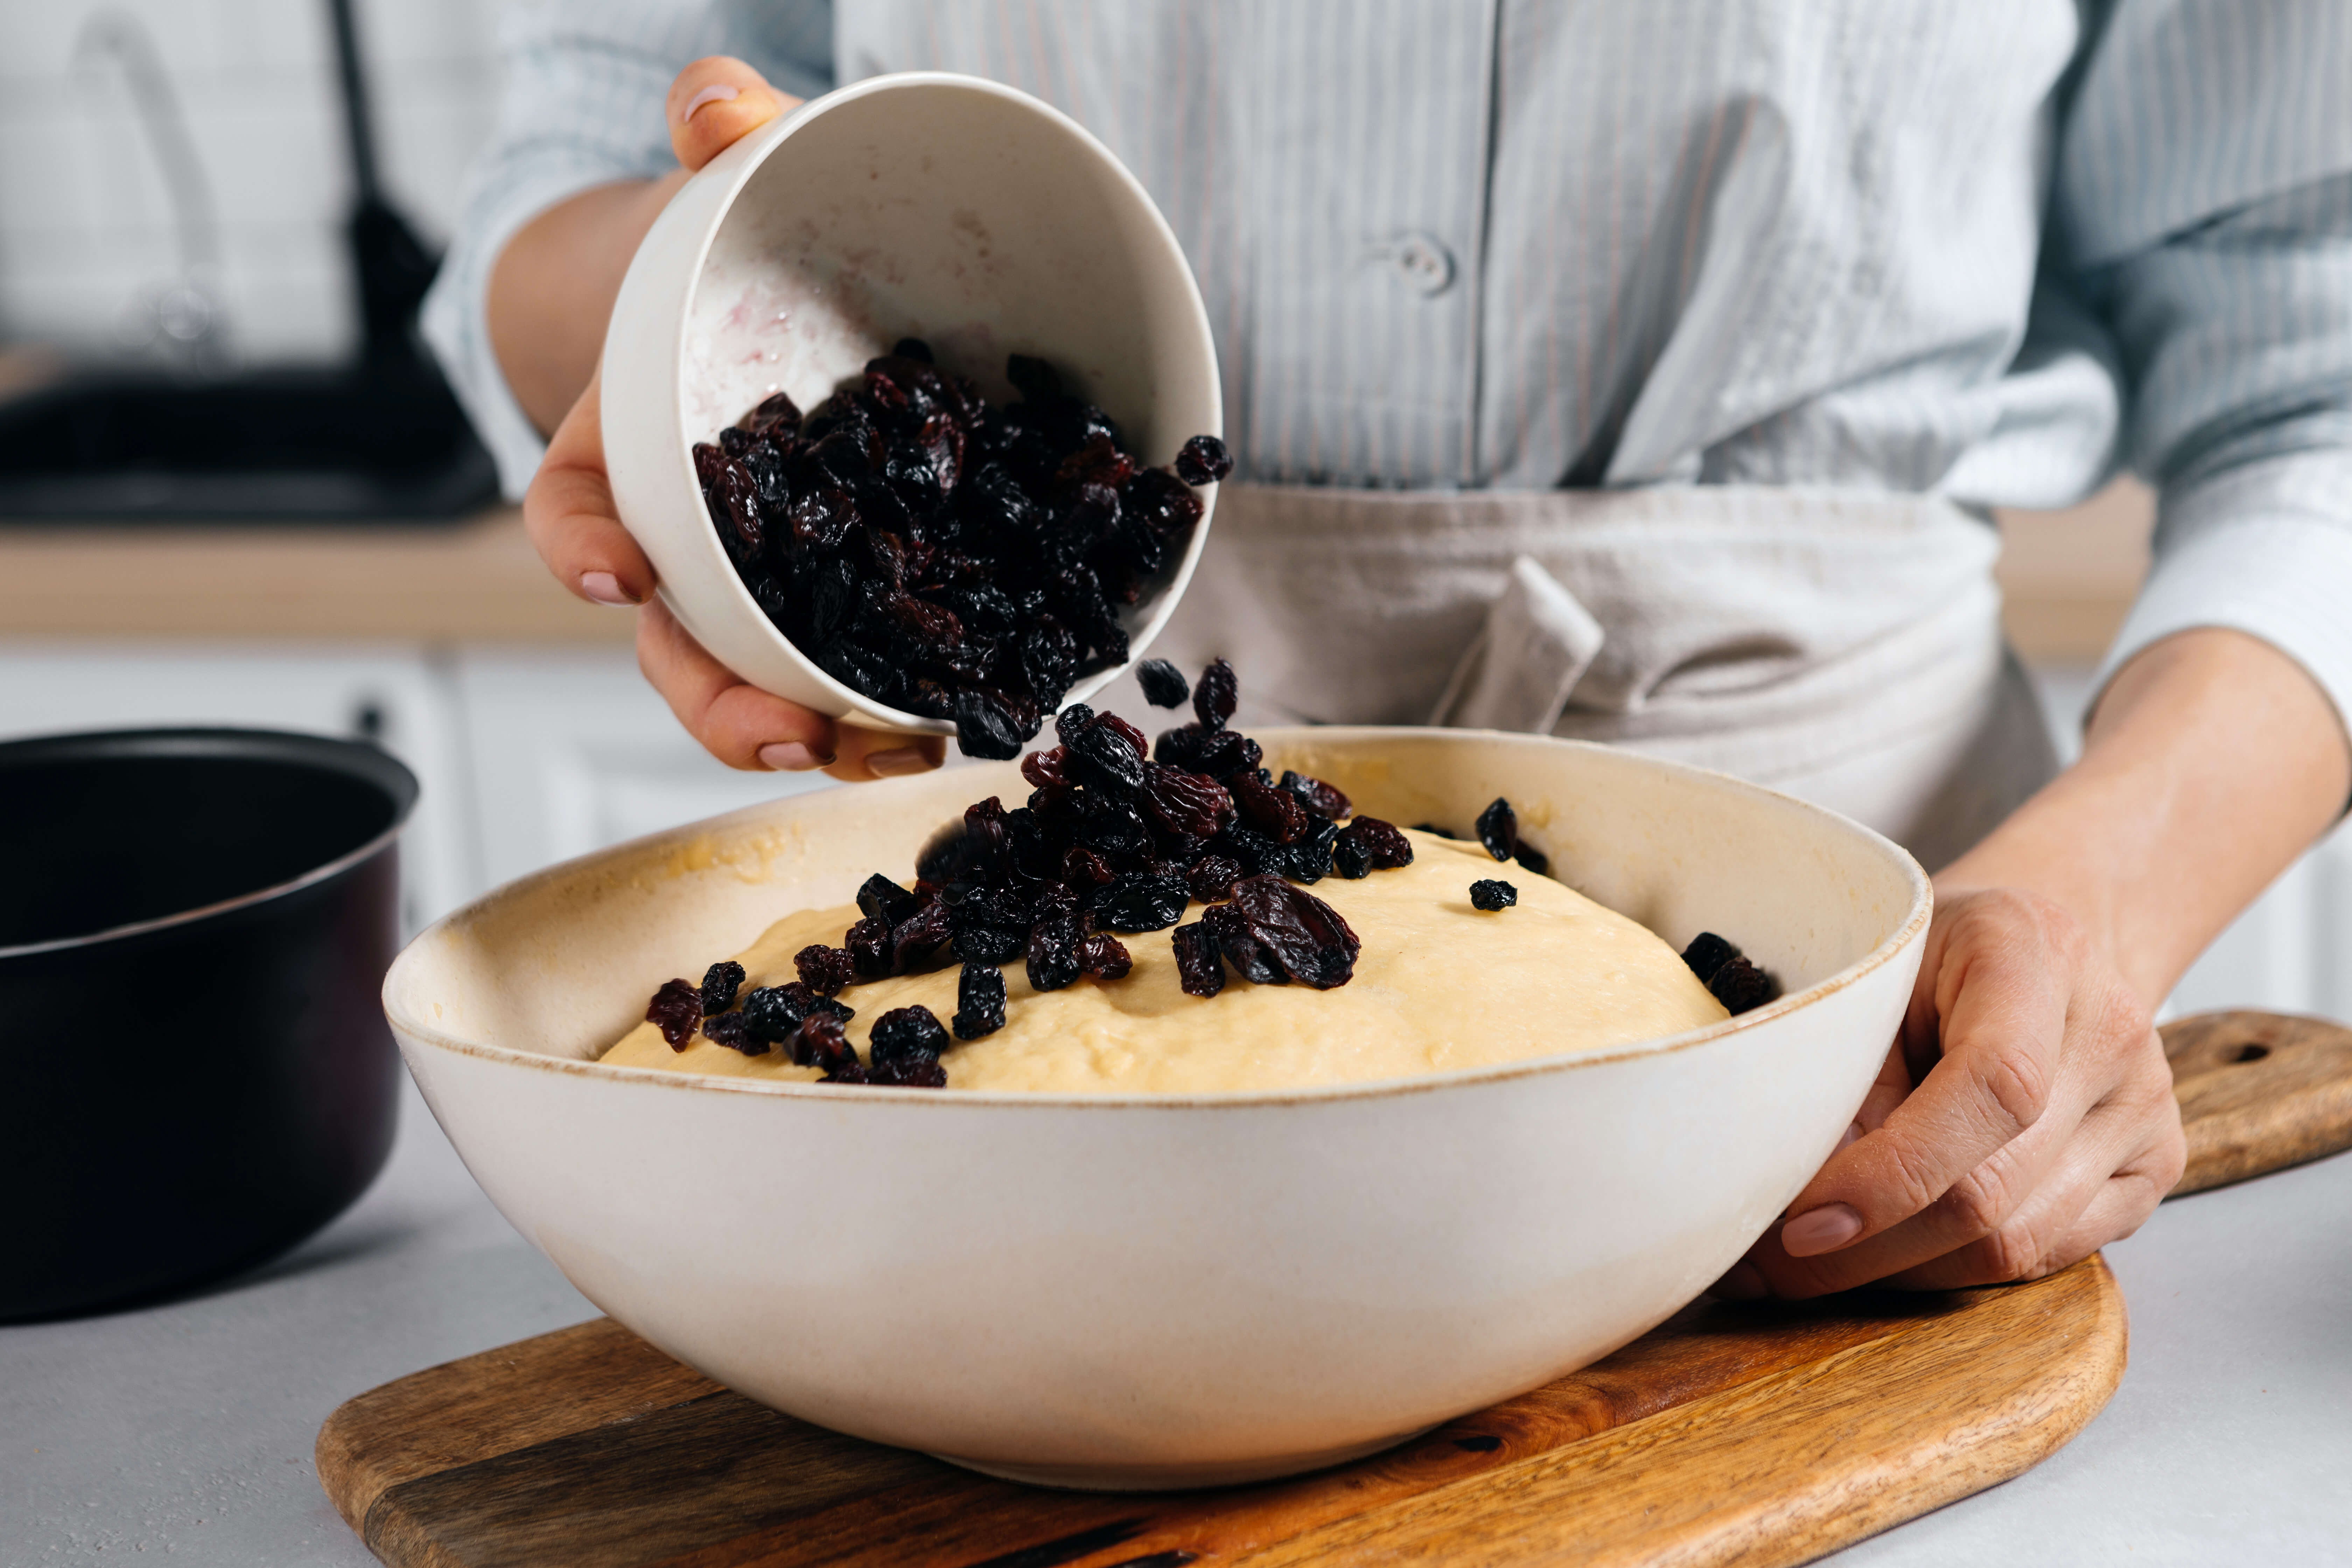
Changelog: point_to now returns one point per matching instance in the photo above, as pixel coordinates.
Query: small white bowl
(921, 204)
(1163, 1292)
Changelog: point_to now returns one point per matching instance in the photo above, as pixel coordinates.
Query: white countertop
(185, 1428)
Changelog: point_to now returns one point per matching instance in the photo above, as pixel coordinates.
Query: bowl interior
(561, 963)
(978, 219)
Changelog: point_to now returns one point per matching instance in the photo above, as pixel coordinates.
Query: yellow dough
(1439, 985)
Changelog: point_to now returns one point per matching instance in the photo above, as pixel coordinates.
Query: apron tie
(1519, 673)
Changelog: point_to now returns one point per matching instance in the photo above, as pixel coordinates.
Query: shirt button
(1424, 261)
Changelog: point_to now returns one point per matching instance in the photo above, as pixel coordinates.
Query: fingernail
(1743, 1281)
(717, 92)
(1824, 1229)
(1852, 1134)
(897, 762)
(606, 589)
(791, 757)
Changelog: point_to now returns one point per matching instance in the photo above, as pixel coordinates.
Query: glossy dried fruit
(905, 1031)
(916, 940)
(675, 1010)
(1140, 901)
(868, 944)
(1215, 695)
(1046, 768)
(1274, 932)
(719, 984)
(821, 1042)
(1204, 460)
(1385, 847)
(1200, 969)
(1498, 829)
(1212, 878)
(1274, 813)
(1100, 756)
(824, 970)
(980, 1001)
(1163, 684)
(1488, 894)
(987, 726)
(1324, 800)
(772, 1012)
(909, 1072)
(1176, 801)
(884, 899)
(1104, 956)
(1533, 858)
(734, 1031)
(1741, 986)
(1227, 755)
(1349, 859)
(1053, 958)
(1706, 953)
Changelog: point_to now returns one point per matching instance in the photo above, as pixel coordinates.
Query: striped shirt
(1990, 250)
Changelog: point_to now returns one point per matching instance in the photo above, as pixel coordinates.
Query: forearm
(2212, 762)
(552, 288)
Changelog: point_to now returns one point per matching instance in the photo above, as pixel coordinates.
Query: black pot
(194, 1068)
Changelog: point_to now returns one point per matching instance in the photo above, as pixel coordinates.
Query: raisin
(1706, 953)
(991, 944)
(1488, 894)
(1272, 812)
(1226, 754)
(772, 1012)
(1200, 969)
(885, 899)
(1215, 695)
(734, 1031)
(1190, 804)
(980, 1001)
(1385, 847)
(1322, 799)
(905, 1031)
(675, 1009)
(1204, 460)
(909, 1072)
(1110, 828)
(1533, 858)
(868, 945)
(777, 415)
(1251, 850)
(1498, 829)
(1310, 856)
(916, 939)
(1274, 933)
(1053, 957)
(1104, 956)
(1032, 378)
(911, 348)
(1140, 901)
(1180, 747)
(821, 1042)
(1100, 758)
(1212, 878)
(1045, 769)
(1125, 731)
(719, 984)
(1163, 684)
(987, 727)
(824, 970)
(1350, 857)
(1741, 987)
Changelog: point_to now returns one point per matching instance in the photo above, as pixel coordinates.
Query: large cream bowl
(1155, 1292)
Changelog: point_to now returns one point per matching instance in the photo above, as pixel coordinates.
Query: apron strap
(1519, 673)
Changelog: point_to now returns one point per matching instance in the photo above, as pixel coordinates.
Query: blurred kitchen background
(177, 184)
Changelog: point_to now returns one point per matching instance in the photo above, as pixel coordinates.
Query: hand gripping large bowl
(921, 204)
(1164, 1292)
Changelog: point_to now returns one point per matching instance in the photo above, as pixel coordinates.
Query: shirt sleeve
(2203, 206)
(582, 106)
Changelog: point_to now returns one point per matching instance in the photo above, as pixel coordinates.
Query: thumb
(714, 103)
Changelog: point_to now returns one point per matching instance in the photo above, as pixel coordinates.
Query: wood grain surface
(1753, 1435)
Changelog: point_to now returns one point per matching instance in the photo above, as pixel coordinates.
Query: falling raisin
(1488, 894)
(1200, 969)
(1204, 460)
(1498, 829)
(1741, 987)
(824, 970)
(719, 984)
(1104, 956)
(1707, 953)
(980, 1001)
(1163, 684)
(734, 1031)
(675, 1009)
(1045, 770)
(1384, 846)
(1215, 695)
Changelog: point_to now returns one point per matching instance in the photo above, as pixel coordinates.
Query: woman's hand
(2041, 1127)
(2025, 1117)
(550, 295)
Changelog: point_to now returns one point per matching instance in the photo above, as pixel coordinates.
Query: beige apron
(1843, 647)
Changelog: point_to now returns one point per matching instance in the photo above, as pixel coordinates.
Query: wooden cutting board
(1754, 1434)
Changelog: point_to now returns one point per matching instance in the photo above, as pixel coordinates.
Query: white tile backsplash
(87, 226)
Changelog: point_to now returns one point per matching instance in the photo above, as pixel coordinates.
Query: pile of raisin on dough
(943, 557)
(1115, 839)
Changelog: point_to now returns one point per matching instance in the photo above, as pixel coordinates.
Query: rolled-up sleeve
(581, 107)
(2203, 203)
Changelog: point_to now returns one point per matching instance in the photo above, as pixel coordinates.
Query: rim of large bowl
(1913, 926)
(356, 758)
(782, 131)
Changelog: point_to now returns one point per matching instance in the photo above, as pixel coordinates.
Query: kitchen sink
(346, 444)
